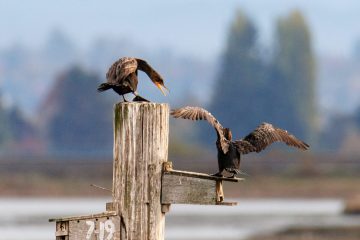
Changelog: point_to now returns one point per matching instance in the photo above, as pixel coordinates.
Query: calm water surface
(28, 218)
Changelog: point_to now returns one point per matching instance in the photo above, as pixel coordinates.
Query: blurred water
(28, 217)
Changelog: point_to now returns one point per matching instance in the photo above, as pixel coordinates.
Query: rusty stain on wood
(82, 217)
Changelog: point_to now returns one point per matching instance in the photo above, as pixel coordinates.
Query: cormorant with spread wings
(122, 77)
(229, 151)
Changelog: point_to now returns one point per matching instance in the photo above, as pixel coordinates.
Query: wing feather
(198, 113)
(266, 134)
(125, 67)
(120, 70)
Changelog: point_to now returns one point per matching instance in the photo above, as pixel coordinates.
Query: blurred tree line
(251, 89)
(15, 130)
(76, 119)
(72, 120)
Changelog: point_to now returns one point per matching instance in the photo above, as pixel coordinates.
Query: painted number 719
(107, 226)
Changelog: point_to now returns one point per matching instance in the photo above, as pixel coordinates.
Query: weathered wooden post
(140, 148)
(144, 182)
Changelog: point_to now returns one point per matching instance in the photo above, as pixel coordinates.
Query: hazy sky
(185, 26)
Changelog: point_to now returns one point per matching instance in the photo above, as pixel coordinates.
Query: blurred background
(295, 64)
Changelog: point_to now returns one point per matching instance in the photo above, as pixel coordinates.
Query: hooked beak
(161, 88)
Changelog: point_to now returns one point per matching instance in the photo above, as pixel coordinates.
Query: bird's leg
(124, 98)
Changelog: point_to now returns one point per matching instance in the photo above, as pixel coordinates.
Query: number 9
(110, 228)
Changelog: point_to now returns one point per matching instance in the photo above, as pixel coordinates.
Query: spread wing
(121, 69)
(198, 113)
(153, 75)
(266, 134)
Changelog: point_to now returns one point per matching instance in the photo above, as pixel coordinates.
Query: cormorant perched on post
(122, 77)
(229, 151)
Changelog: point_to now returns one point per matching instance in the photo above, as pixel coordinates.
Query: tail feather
(103, 87)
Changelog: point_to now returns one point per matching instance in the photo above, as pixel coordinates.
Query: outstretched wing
(153, 75)
(266, 134)
(121, 69)
(198, 113)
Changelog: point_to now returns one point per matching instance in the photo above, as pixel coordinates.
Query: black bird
(229, 151)
(122, 77)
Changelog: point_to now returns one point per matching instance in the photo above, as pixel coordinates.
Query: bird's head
(227, 134)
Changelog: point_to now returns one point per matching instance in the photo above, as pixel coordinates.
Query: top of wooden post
(138, 104)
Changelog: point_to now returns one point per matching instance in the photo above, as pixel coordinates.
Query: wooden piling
(140, 148)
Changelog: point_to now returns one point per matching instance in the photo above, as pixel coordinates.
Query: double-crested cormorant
(229, 151)
(122, 77)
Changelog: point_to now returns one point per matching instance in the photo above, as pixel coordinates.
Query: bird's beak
(161, 88)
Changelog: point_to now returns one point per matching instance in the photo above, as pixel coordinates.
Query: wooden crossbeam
(202, 175)
(184, 187)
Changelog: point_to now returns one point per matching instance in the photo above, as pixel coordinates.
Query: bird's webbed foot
(218, 174)
(138, 98)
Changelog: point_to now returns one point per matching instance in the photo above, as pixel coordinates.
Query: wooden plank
(202, 175)
(187, 190)
(95, 228)
(140, 147)
(165, 208)
(227, 203)
(110, 206)
(219, 192)
(74, 218)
